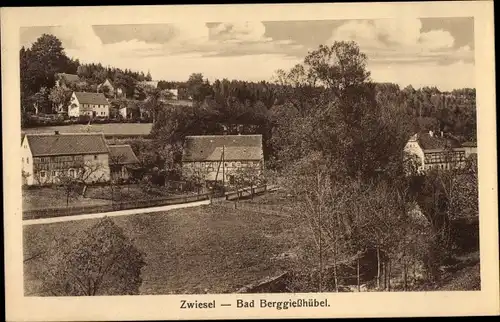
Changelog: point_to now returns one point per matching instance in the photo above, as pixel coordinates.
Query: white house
(438, 151)
(174, 92)
(91, 104)
(45, 158)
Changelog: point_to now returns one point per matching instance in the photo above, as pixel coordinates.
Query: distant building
(108, 87)
(175, 93)
(150, 83)
(63, 79)
(122, 161)
(90, 104)
(438, 151)
(45, 158)
(219, 157)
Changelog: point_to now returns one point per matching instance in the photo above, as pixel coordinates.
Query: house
(175, 93)
(63, 79)
(107, 87)
(439, 151)
(122, 161)
(470, 148)
(150, 83)
(47, 158)
(91, 104)
(222, 157)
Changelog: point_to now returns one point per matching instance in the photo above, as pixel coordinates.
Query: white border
(482, 302)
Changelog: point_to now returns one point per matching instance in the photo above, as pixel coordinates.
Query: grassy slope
(195, 250)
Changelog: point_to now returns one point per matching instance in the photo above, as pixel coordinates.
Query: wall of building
(413, 148)
(99, 165)
(73, 107)
(212, 170)
(27, 162)
(49, 170)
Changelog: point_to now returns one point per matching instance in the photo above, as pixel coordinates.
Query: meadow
(207, 249)
(139, 129)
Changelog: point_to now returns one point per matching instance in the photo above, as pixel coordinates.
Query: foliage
(103, 261)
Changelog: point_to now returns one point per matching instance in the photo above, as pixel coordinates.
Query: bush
(103, 261)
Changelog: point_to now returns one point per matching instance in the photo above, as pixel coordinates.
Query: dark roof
(236, 147)
(428, 142)
(67, 144)
(72, 78)
(122, 154)
(91, 98)
(469, 144)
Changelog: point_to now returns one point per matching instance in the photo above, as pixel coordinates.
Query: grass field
(46, 197)
(195, 250)
(107, 129)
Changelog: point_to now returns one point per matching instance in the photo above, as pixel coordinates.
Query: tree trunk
(405, 276)
(389, 276)
(378, 268)
(384, 273)
(335, 267)
(320, 257)
(357, 273)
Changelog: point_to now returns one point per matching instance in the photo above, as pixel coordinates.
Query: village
(237, 186)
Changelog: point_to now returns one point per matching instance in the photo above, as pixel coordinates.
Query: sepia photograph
(250, 156)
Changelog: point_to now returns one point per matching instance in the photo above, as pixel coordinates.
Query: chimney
(57, 132)
(442, 133)
(431, 134)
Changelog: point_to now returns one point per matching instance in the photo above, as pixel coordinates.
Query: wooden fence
(135, 204)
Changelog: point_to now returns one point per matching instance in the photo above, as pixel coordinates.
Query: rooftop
(469, 144)
(436, 141)
(72, 78)
(91, 98)
(210, 147)
(67, 144)
(122, 154)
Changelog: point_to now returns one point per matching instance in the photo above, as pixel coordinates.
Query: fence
(157, 202)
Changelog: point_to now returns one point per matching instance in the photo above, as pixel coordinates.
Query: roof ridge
(221, 135)
(119, 145)
(64, 133)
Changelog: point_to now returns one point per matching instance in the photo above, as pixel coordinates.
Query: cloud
(236, 32)
(403, 36)
(446, 77)
(399, 51)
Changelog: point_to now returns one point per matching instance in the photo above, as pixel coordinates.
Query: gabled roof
(236, 147)
(122, 154)
(428, 142)
(469, 144)
(67, 144)
(91, 98)
(72, 78)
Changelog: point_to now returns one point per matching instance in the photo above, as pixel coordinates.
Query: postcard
(249, 161)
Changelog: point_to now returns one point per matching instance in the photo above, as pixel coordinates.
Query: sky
(419, 52)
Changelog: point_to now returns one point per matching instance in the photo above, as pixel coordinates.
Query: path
(113, 213)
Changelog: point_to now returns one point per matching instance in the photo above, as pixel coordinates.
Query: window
(95, 157)
(28, 160)
(42, 174)
(22, 160)
(54, 173)
(71, 172)
(238, 164)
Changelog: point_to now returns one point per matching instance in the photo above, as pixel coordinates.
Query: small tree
(103, 261)
(115, 166)
(74, 183)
